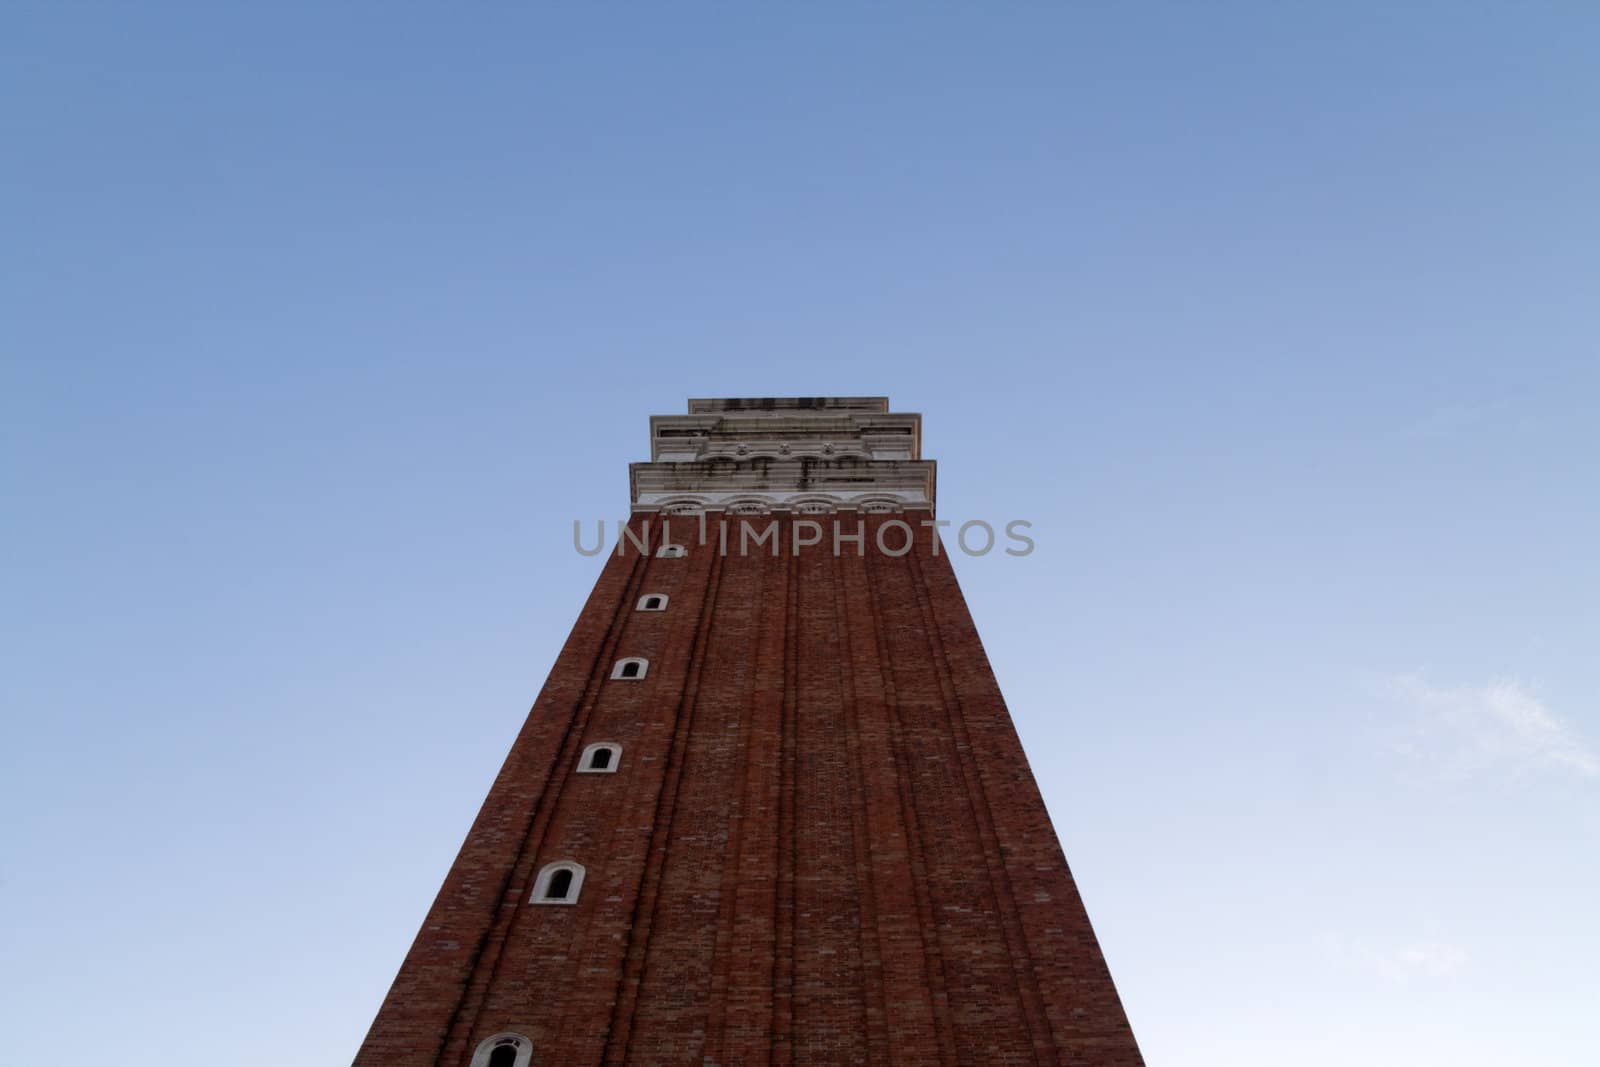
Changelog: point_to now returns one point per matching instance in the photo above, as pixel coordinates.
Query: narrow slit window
(671, 552)
(503, 1050)
(630, 669)
(653, 602)
(600, 758)
(558, 883)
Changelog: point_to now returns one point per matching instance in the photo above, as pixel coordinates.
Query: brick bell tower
(769, 807)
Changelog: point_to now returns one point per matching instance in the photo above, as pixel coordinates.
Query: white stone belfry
(810, 455)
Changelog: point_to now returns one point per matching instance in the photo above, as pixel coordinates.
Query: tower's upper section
(807, 454)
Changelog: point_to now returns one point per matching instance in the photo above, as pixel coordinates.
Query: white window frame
(542, 883)
(644, 602)
(618, 667)
(671, 552)
(588, 754)
(488, 1046)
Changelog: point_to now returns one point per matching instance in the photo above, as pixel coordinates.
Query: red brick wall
(822, 845)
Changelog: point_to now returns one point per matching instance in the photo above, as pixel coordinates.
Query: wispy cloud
(1396, 961)
(1437, 958)
(1499, 725)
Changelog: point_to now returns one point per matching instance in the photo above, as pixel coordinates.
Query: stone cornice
(806, 453)
(676, 438)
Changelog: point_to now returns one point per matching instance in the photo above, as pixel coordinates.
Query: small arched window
(653, 602)
(558, 883)
(671, 552)
(630, 669)
(600, 758)
(503, 1050)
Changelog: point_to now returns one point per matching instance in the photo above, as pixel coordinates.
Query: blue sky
(319, 327)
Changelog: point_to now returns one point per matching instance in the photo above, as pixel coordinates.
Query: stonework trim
(805, 503)
(490, 1045)
(547, 874)
(586, 761)
(620, 671)
(719, 483)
